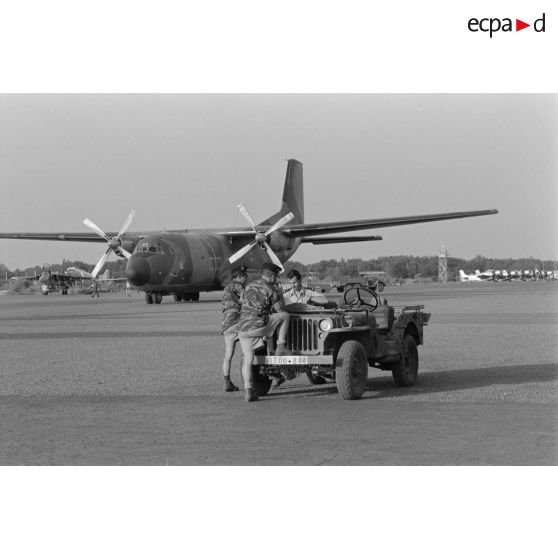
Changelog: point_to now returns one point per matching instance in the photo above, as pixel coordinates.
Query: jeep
(340, 343)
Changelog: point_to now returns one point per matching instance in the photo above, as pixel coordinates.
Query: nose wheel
(153, 298)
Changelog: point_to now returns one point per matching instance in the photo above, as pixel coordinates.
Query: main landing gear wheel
(351, 370)
(177, 297)
(405, 370)
(157, 298)
(194, 297)
(148, 298)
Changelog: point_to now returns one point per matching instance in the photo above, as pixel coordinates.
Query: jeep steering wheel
(361, 296)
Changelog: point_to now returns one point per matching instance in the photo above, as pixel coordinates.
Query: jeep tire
(351, 370)
(405, 370)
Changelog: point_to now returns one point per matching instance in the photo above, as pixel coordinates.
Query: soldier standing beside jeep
(231, 305)
(256, 321)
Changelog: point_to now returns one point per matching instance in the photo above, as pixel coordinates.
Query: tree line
(394, 267)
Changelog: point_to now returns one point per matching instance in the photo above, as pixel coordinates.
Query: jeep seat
(384, 317)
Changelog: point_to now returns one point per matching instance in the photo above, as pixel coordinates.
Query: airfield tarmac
(113, 381)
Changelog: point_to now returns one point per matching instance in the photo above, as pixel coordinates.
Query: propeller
(261, 237)
(113, 243)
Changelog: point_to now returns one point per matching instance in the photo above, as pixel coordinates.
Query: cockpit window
(152, 248)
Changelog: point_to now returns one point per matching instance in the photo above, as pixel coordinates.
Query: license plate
(275, 360)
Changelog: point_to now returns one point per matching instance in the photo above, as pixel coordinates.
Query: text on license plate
(278, 360)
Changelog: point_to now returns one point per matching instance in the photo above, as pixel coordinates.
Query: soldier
(297, 293)
(95, 289)
(256, 321)
(231, 304)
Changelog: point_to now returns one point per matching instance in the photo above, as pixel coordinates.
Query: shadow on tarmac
(440, 382)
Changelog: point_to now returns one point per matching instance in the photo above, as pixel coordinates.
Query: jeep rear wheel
(351, 370)
(405, 370)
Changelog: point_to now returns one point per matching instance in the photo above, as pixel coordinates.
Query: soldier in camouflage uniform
(256, 321)
(231, 304)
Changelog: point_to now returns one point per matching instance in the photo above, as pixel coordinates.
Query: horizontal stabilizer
(338, 239)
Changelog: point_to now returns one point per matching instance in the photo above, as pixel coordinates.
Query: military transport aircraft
(187, 261)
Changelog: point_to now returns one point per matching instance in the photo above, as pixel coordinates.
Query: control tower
(443, 265)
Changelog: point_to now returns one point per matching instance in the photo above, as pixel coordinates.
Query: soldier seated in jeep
(297, 293)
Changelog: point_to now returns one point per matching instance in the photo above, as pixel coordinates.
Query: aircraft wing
(311, 229)
(79, 273)
(76, 236)
(82, 274)
(111, 279)
(338, 239)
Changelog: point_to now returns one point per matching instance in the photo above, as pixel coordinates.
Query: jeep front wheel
(351, 370)
(405, 370)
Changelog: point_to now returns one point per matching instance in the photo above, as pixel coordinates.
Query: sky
(187, 160)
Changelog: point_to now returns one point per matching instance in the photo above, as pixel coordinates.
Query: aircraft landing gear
(157, 298)
(148, 298)
(177, 297)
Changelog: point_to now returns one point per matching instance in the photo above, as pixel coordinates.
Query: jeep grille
(303, 334)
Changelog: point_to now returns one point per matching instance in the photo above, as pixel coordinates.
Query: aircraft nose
(138, 271)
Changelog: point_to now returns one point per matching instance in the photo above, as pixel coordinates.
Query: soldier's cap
(271, 267)
(239, 269)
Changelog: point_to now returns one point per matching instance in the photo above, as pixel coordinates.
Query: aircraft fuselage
(193, 261)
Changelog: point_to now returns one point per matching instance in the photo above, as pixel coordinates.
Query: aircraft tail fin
(293, 195)
(293, 192)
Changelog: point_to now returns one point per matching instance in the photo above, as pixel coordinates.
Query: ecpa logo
(494, 24)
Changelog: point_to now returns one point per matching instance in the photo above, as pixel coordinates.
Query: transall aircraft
(188, 261)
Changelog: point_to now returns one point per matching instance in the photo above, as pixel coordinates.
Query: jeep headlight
(324, 325)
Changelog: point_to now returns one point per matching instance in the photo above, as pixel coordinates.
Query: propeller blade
(127, 254)
(100, 263)
(273, 257)
(244, 212)
(126, 224)
(95, 229)
(237, 255)
(283, 221)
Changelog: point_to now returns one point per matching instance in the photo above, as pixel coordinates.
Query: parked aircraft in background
(185, 262)
(504, 275)
(464, 277)
(488, 275)
(53, 282)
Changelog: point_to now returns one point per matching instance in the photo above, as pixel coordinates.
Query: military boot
(229, 386)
